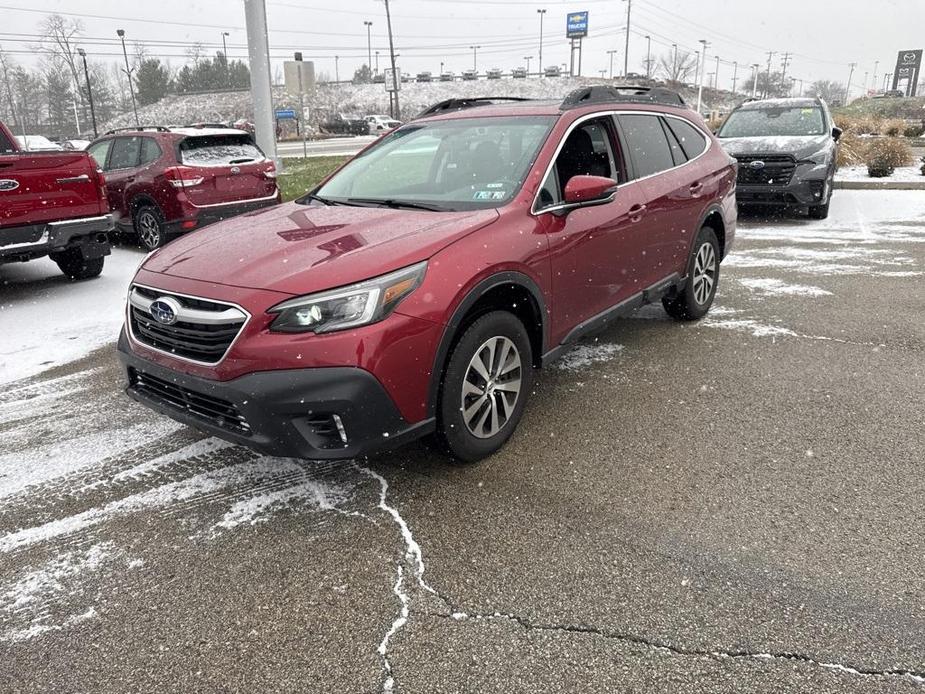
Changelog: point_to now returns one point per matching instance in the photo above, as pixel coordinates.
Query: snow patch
(259, 508)
(781, 288)
(586, 355)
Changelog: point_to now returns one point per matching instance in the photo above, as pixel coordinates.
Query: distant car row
(471, 74)
(343, 124)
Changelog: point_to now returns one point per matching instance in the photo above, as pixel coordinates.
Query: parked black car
(786, 149)
(341, 124)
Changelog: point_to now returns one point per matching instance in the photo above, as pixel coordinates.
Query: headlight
(347, 307)
(820, 157)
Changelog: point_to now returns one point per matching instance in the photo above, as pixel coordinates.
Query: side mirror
(586, 190)
(836, 133)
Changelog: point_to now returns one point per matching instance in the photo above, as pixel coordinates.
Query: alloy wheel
(491, 387)
(704, 275)
(149, 230)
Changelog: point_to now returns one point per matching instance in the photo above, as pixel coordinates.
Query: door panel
(121, 169)
(47, 187)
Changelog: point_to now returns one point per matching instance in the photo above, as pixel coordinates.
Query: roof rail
(623, 94)
(466, 102)
(157, 128)
(208, 125)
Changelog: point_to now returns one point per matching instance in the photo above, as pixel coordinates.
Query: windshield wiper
(323, 201)
(398, 204)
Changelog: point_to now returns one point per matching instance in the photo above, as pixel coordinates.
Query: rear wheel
(150, 227)
(485, 386)
(73, 264)
(695, 299)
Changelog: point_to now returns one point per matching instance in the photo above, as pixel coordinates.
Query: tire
(480, 350)
(820, 211)
(73, 265)
(150, 227)
(694, 300)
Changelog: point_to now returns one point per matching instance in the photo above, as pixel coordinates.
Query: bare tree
(677, 69)
(59, 42)
(195, 53)
(5, 65)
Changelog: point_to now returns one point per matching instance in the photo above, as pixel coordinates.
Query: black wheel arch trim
(451, 329)
(711, 209)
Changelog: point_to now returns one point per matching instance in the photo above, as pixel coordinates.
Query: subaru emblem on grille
(8, 184)
(165, 310)
(756, 164)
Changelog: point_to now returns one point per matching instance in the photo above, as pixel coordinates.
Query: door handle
(696, 188)
(129, 179)
(636, 212)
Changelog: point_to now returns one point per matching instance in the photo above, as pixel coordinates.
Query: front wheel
(485, 386)
(695, 299)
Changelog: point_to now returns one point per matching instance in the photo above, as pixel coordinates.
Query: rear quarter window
(692, 140)
(219, 150)
(6, 146)
(647, 143)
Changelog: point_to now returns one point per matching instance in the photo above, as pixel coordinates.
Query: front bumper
(801, 191)
(288, 413)
(37, 240)
(196, 217)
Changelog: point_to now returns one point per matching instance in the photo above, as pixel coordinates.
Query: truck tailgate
(41, 187)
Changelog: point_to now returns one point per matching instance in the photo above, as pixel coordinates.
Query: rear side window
(6, 147)
(691, 139)
(219, 150)
(647, 143)
(150, 150)
(125, 152)
(99, 152)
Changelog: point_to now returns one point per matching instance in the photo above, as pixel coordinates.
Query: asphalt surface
(733, 505)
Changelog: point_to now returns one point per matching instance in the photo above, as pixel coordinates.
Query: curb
(880, 185)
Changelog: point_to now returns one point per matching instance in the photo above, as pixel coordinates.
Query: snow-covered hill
(328, 99)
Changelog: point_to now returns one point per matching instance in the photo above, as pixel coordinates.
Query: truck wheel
(695, 299)
(485, 387)
(149, 225)
(73, 265)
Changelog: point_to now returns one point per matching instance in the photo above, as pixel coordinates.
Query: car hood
(300, 249)
(798, 147)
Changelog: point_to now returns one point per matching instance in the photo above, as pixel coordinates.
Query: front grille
(203, 332)
(206, 407)
(777, 170)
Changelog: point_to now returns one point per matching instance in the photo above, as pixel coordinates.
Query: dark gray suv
(786, 149)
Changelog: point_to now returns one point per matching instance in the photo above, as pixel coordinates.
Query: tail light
(101, 181)
(183, 177)
(270, 171)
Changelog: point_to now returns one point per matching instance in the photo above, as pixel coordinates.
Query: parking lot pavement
(733, 505)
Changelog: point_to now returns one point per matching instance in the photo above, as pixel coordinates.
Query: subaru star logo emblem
(235, 169)
(8, 184)
(756, 165)
(165, 310)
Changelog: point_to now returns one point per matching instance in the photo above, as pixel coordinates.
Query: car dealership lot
(746, 517)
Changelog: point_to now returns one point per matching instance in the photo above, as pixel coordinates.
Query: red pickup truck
(52, 204)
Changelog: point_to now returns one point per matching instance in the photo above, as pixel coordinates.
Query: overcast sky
(823, 37)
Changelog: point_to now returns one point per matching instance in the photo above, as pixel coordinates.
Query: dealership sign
(576, 25)
(908, 69)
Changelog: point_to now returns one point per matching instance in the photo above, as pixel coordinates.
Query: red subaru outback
(417, 289)
(166, 181)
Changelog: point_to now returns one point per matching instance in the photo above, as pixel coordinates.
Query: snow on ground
(586, 355)
(768, 285)
(47, 320)
(904, 174)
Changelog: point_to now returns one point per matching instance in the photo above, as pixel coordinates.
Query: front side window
(125, 153)
(784, 121)
(647, 143)
(99, 152)
(458, 164)
(587, 151)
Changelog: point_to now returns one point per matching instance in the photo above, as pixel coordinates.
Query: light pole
(873, 79)
(369, 44)
(128, 74)
(701, 70)
(767, 86)
(441, 67)
(377, 62)
(611, 53)
(716, 75)
(626, 54)
(674, 72)
(755, 67)
(395, 77)
(528, 58)
(225, 59)
(301, 121)
(475, 55)
(848, 86)
(648, 56)
(541, 13)
(336, 69)
(83, 56)
(735, 75)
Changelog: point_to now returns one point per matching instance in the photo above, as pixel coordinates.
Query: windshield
(461, 164)
(787, 121)
(219, 150)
